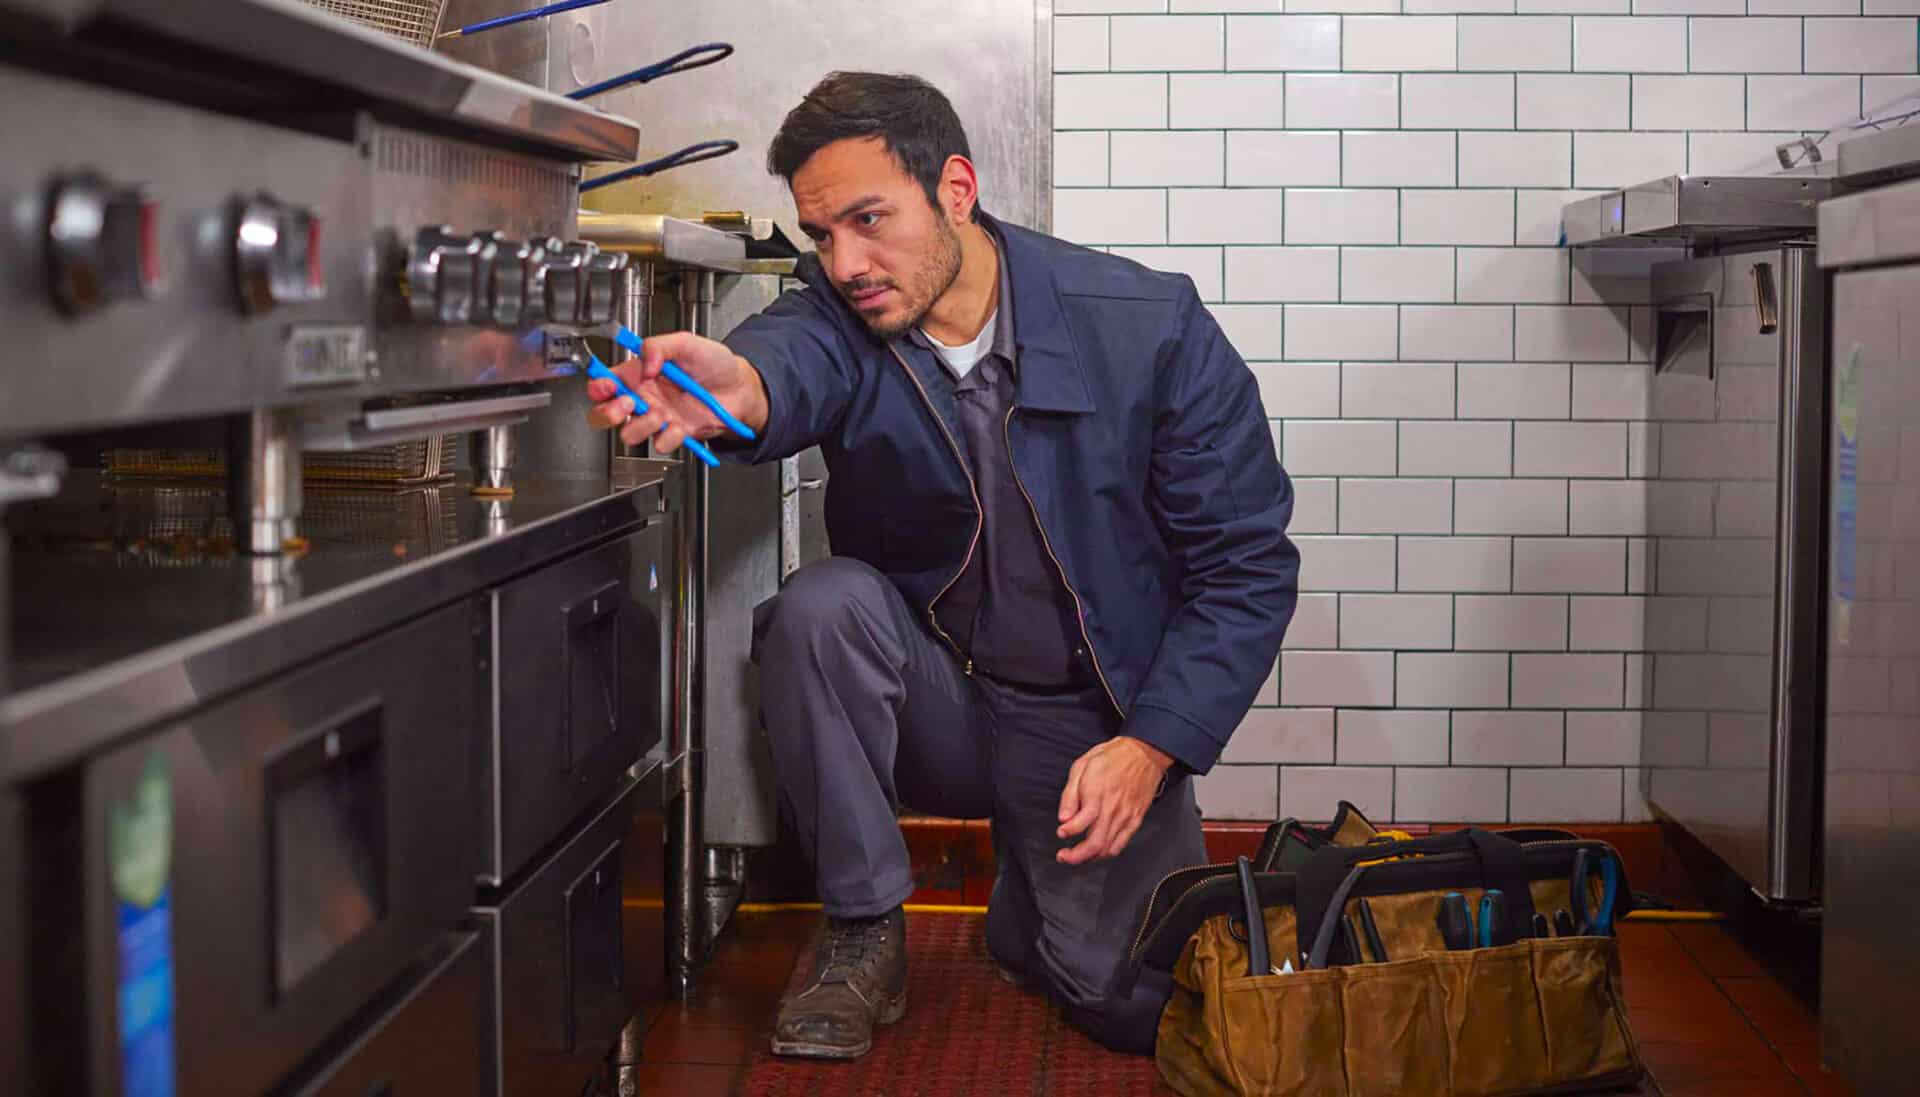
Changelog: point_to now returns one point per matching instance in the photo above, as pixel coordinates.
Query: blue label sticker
(1846, 492)
(139, 862)
(146, 998)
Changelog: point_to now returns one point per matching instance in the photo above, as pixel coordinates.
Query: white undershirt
(960, 359)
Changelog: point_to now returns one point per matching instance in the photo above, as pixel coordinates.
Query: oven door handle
(591, 608)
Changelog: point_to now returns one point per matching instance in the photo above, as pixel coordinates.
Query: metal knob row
(100, 243)
(485, 278)
(276, 254)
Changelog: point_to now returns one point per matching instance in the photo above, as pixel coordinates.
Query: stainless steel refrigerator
(1731, 738)
(1870, 994)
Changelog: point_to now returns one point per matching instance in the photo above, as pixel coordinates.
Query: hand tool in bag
(1372, 930)
(1455, 922)
(1562, 924)
(1493, 918)
(626, 338)
(1259, 962)
(1350, 942)
(540, 12)
(1589, 921)
(597, 368)
(1541, 927)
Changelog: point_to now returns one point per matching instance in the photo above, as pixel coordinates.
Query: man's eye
(868, 220)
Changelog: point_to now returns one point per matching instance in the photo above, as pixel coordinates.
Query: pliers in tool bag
(1597, 922)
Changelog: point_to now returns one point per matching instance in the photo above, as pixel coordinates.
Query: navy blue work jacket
(1138, 436)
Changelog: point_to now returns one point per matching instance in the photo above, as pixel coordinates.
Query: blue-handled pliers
(597, 368)
(626, 338)
(1594, 921)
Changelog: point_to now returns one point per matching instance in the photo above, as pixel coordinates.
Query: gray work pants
(866, 711)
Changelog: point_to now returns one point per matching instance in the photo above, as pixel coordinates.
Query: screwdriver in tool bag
(1493, 918)
(1455, 922)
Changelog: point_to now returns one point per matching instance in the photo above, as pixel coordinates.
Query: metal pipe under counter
(686, 918)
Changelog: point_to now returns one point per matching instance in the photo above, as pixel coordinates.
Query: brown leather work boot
(859, 978)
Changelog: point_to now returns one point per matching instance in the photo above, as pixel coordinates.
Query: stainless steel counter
(131, 607)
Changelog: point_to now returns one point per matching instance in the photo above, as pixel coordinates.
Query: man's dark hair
(910, 116)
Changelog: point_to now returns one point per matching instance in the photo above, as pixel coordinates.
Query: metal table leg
(686, 916)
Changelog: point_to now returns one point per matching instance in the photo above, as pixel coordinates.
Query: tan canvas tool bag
(1413, 968)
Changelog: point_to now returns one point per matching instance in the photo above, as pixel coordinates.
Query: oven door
(259, 871)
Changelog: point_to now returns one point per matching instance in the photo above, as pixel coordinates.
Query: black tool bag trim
(1459, 860)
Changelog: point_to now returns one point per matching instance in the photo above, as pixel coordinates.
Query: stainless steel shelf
(314, 44)
(1880, 157)
(1697, 211)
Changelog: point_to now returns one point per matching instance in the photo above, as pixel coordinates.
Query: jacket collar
(1051, 376)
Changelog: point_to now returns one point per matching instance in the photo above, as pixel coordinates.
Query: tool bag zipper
(1202, 873)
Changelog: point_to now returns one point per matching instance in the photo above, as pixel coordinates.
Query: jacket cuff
(1186, 742)
(773, 380)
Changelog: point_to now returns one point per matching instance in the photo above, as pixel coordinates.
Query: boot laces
(850, 944)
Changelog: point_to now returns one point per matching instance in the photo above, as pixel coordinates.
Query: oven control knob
(606, 284)
(276, 254)
(567, 276)
(543, 259)
(503, 280)
(445, 276)
(102, 243)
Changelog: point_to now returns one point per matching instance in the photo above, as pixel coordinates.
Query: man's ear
(959, 190)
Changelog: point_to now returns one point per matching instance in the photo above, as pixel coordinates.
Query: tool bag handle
(1324, 883)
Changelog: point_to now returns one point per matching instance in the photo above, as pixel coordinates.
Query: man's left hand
(1108, 792)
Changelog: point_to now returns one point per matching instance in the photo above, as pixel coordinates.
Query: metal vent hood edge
(1697, 211)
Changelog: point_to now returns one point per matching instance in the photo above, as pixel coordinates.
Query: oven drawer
(430, 1042)
(258, 872)
(577, 692)
(563, 983)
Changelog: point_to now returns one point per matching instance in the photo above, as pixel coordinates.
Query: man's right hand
(672, 414)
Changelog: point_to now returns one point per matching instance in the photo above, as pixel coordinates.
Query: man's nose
(849, 261)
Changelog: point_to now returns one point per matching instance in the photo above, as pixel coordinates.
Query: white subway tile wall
(1367, 194)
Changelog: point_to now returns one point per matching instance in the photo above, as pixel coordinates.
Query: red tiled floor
(1792, 1029)
(678, 1039)
(1718, 954)
(1701, 1036)
(688, 1079)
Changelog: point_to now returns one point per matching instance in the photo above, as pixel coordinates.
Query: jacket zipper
(979, 511)
(1079, 612)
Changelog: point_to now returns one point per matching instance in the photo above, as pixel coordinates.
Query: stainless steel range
(319, 773)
